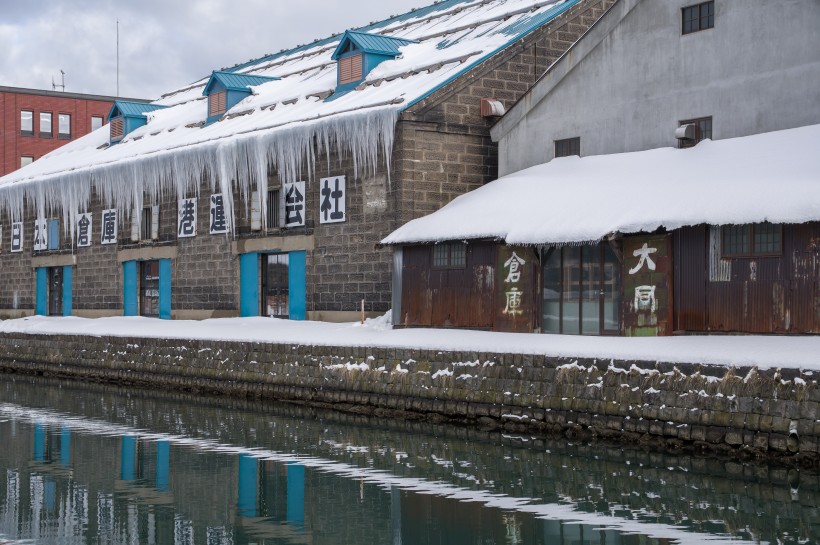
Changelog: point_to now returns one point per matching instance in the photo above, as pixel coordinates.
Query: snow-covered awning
(766, 177)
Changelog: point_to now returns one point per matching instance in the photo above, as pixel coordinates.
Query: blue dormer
(359, 52)
(226, 89)
(126, 116)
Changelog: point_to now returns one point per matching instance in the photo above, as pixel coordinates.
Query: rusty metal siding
(452, 297)
(777, 294)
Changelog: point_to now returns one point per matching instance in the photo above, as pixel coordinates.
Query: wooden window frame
(117, 128)
(350, 68)
(448, 255)
(22, 131)
(749, 251)
(704, 18)
(683, 143)
(217, 103)
(567, 147)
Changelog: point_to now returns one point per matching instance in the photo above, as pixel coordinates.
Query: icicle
(240, 162)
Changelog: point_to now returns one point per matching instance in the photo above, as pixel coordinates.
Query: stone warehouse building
(694, 206)
(265, 188)
(34, 122)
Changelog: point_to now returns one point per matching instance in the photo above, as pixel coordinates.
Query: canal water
(85, 463)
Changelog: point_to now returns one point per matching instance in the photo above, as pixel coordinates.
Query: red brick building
(34, 122)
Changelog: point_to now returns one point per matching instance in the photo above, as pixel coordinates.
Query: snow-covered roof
(278, 124)
(766, 177)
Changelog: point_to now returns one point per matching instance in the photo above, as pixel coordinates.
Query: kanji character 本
(513, 302)
(17, 237)
(643, 253)
(513, 264)
(84, 230)
(218, 223)
(109, 226)
(332, 206)
(187, 218)
(294, 204)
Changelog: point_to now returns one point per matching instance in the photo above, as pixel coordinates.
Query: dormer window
(226, 89)
(125, 116)
(216, 103)
(359, 52)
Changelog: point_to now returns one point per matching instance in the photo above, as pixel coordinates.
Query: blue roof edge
(350, 35)
(552, 14)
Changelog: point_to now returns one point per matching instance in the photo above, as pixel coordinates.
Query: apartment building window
(96, 122)
(449, 255)
(568, 146)
(26, 160)
(64, 126)
(752, 240)
(273, 208)
(45, 125)
(702, 131)
(698, 17)
(26, 123)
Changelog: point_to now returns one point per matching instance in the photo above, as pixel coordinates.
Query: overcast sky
(164, 44)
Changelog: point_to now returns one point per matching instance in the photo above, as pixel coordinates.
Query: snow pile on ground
(762, 351)
(766, 177)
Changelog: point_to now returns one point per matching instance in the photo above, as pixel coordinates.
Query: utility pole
(118, 57)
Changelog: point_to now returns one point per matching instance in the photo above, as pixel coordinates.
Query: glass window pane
(65, 124)
(766, 238)
(276, 285)
(26, 160)
(735, 239)
(440, 255)
(96, 122)
(149, 288)
(612, 291)
(458, 254)
(55, 291)
(26, 120)
(45, 122)
(551, 322)
(591, 289)
(571, 292)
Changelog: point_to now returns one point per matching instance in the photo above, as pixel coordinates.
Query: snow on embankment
(752, 350)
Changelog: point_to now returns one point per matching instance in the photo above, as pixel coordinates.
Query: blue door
(67, 285)
(129, 288)
(297, 285)
(165, 289)
(41, 291)
(249, 284)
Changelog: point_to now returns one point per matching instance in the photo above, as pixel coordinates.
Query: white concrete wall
(757, 70)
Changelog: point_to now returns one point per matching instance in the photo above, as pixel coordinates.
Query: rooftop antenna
(118, 57)
(62, 85)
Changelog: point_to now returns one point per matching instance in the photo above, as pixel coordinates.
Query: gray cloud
(163, 44)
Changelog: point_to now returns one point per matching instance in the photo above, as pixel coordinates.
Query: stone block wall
(744, 411)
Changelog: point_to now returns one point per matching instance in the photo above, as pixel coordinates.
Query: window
(449, 255)
(26, 123)
(117, 128)
(752, 240)
(96, 122)
(149, 288)
(698, 17)
(149, 222)
(64, 128)
(53, 234)
(568, 146)
(26, 160)
(216, 103)
(703, 130)
(350, 69)
(55, 291)
(45, 125)
(273, 208)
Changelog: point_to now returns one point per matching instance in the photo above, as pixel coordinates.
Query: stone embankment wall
(741, 411)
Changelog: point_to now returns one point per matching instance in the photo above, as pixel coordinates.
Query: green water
(101, 465)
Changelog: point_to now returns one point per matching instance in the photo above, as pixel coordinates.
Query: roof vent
(491, 107)
(226, 89)
(125, 116)
(359, 52)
